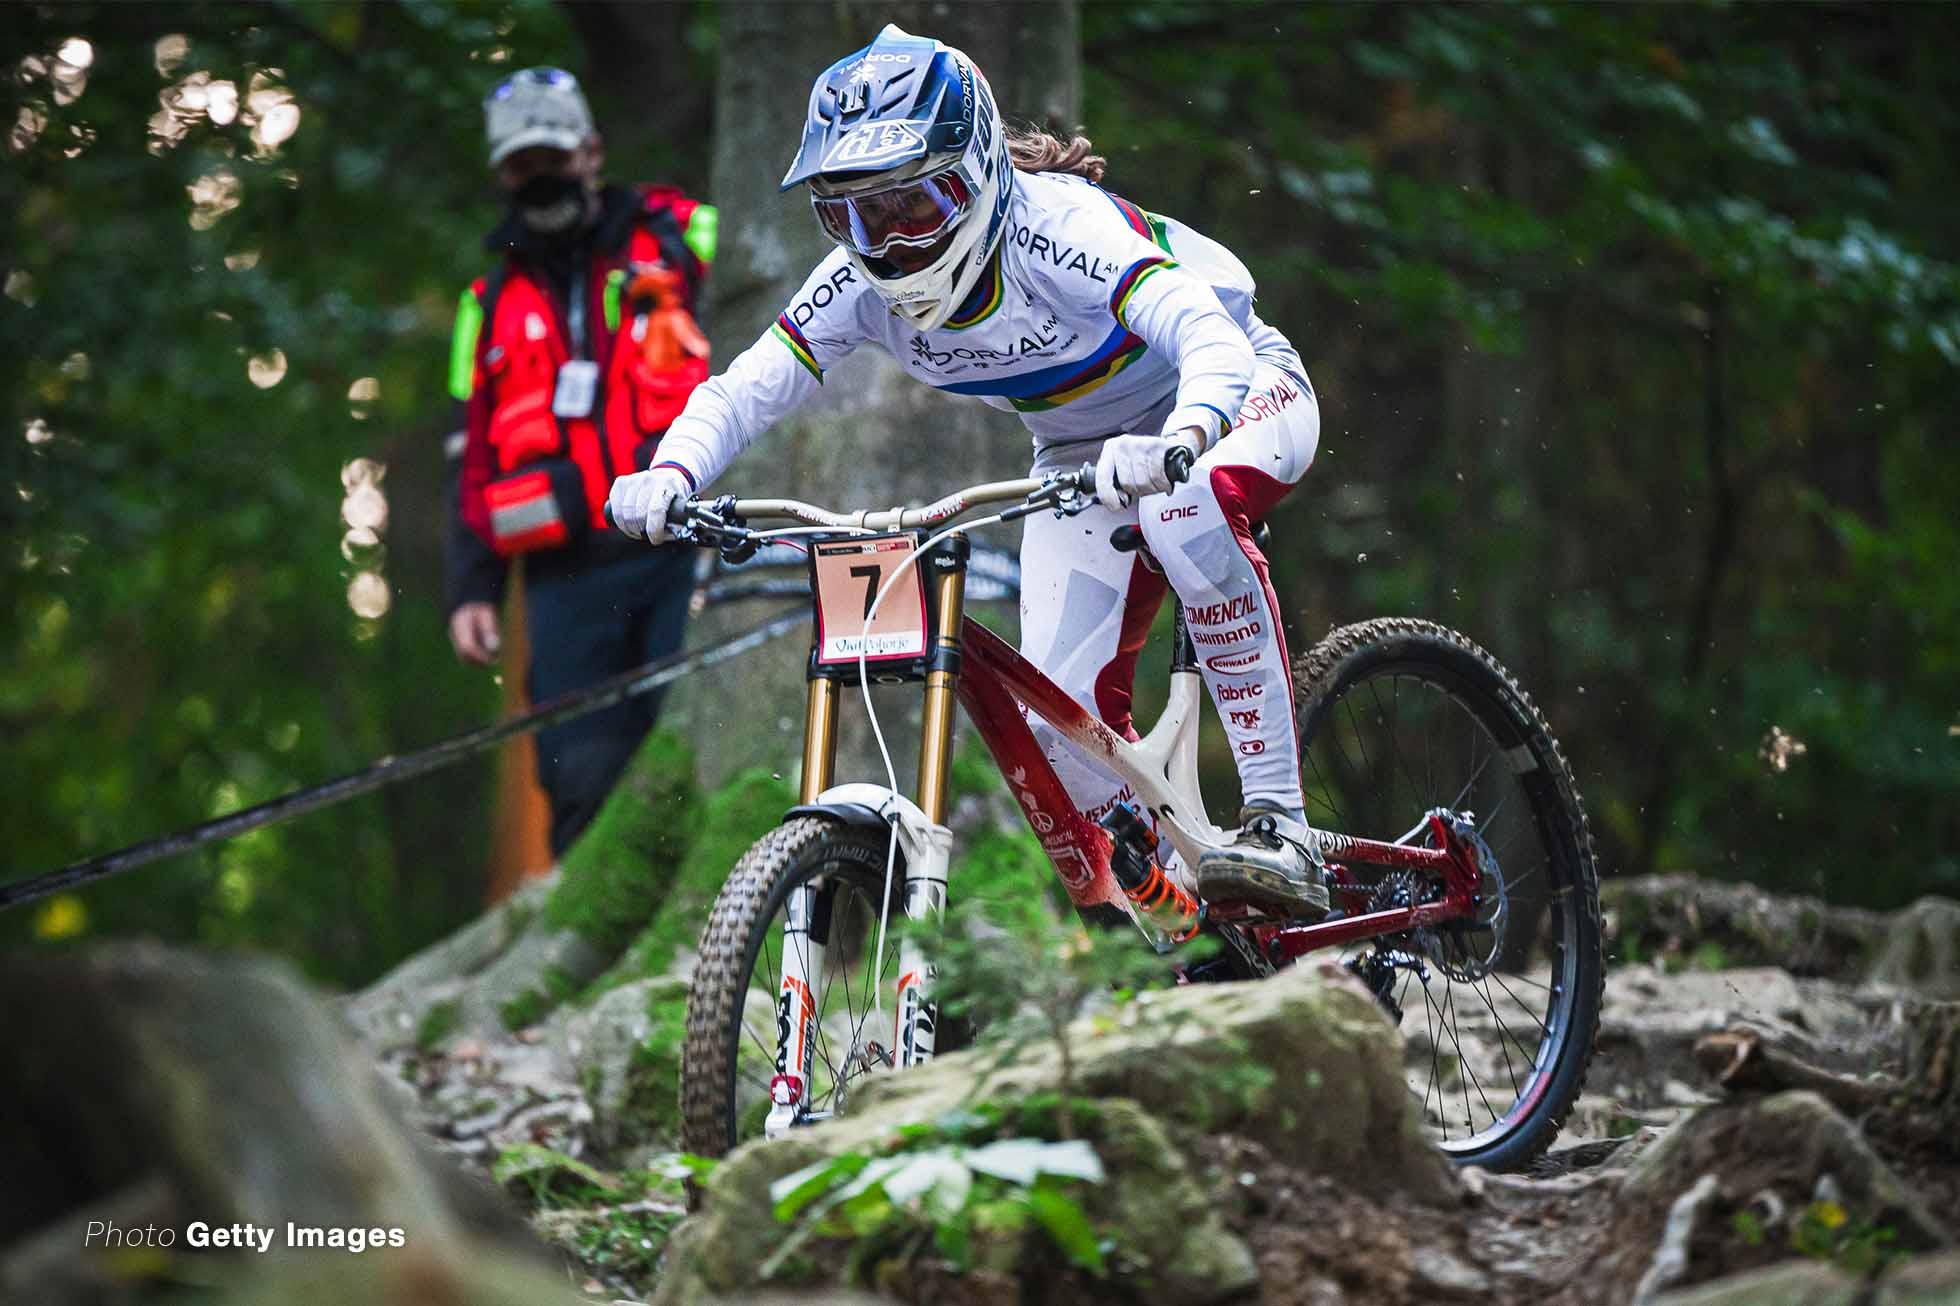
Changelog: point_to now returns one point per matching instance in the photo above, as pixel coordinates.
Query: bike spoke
(1502, 1030)
(1330, 799)
(1522, 1005)
(1428, 757)
(1516, 880)
(1470, 1071)
(1456, 805)
(1394, 743)
(1435, 1070)
(1368, 766)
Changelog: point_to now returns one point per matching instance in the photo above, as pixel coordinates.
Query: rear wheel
(1399, 717)
(730, 1053)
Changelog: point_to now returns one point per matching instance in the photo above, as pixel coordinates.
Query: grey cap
(535, 106)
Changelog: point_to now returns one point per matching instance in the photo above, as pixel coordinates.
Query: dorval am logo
(875, 144)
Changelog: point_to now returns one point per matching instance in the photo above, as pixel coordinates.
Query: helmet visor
(916, 214)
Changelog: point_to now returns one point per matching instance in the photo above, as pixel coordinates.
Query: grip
(1177, 464)
(676, 516)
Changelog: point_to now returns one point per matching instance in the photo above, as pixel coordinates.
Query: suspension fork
(916, 1032)
(806, 925)
(805, 928)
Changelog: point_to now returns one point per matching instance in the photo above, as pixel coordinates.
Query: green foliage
(1824, 1231)
(1627, 325)
(546, 1175)
(1005, 961)
(1710, 956)
(437, 1023)
(176, 635)
(973, 772)
(618, 1223)
(954, 1192)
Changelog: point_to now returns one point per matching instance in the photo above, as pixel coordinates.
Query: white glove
(1132, 466)
(640, 502)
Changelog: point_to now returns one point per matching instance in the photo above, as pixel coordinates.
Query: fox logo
(1248, 719)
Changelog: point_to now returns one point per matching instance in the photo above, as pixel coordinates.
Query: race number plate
(846, 576)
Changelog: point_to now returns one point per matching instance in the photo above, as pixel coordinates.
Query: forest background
(1636, 331)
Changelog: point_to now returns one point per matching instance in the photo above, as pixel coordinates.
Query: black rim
(1486, 1032)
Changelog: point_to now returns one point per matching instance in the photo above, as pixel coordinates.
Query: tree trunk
(870, 435)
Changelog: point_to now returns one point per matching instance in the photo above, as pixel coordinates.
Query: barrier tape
(390, 770)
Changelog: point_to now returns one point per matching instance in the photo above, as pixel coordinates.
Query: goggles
(915, 214)
(556, 77)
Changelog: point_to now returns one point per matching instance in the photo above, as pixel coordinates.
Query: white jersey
(1093, 318)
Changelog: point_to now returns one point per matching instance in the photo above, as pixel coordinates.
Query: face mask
(550, 204)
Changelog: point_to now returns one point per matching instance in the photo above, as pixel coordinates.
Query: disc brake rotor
(1467, 949)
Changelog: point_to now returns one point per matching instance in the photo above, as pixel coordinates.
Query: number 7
(871, 574)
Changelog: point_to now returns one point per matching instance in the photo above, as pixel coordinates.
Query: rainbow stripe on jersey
(1126, 285)
(793, 340)
(1148, 225)
(1051, 387)
(988, 292)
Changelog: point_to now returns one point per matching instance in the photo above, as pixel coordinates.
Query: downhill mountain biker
(992, 264)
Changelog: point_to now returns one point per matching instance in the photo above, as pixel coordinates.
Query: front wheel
(1396, 718)
(804, 900)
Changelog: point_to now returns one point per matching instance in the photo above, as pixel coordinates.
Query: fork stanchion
(948, 562)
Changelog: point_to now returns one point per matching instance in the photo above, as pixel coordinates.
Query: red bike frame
(994, 684)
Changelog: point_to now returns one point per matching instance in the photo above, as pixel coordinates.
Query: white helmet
(904, 151)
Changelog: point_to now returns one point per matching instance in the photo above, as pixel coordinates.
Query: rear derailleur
(1376, 968)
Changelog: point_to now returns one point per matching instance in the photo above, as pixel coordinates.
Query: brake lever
(1075, 490)
(1061, 491)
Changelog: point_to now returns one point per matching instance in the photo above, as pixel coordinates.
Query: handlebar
(1063, 491)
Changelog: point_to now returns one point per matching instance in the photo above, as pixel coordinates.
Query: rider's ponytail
(1035, 150)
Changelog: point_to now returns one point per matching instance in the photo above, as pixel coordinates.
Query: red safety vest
(527, 337)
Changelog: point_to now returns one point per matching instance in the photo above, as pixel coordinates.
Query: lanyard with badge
(578, 377)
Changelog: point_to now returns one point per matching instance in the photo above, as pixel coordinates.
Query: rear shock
(1165, 913)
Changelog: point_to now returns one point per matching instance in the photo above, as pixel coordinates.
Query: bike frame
(999, 688)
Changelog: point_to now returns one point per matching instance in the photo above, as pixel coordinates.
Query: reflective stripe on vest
(521, 349)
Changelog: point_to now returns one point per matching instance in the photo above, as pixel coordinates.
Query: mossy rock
(1163, 1222)
(718, 1250)
(1921, 949)
(626, 1048)
(623, 865)
(731, 818)
(1786, 1141)
(1169, 1244)
(1304, 1061)
(1681, 920)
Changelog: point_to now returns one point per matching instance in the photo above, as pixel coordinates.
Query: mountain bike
(1452, 834)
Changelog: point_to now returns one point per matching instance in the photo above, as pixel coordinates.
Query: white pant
(1086, 608)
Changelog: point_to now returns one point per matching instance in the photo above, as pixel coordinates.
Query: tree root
(1742, 1061)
